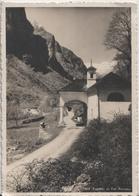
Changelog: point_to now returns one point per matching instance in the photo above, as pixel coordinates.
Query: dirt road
(53, 149)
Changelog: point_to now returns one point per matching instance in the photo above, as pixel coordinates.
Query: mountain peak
(39, 47)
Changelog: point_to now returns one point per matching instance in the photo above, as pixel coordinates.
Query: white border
(90, 3)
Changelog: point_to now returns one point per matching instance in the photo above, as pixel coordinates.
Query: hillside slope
(28, 86)
(37, 66)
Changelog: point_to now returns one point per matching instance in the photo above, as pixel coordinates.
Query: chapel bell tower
(91, 75)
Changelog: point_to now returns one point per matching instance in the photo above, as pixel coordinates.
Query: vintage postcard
(69, 100)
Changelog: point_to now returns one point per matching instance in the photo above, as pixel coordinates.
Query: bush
(115, 147)
(102, 162)
(86, 147)
(108, 144)
(49, 176)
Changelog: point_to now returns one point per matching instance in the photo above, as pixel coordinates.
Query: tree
(118, 37)
(13, 110)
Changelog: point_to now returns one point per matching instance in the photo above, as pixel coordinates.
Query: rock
(74, 159)
(62, 59)
(37, 47)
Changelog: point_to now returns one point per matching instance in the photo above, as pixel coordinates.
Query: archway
(70, 97)
(75, 113)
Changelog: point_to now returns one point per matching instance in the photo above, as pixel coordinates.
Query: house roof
(109, 79)
(78, 85)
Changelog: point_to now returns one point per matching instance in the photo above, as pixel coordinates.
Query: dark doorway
(115, 97)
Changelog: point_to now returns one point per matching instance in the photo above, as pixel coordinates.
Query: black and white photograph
(69, 99)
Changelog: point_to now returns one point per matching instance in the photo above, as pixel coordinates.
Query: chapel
(104, 96)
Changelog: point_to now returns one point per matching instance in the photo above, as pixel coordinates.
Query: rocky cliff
(60, 56)
(37, 66)
(39, 48)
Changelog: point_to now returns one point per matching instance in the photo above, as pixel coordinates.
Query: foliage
(24, 138)
(30, 87)
(49, 103)
(115, 148)
(100, 161)
(49, 176)
(87, 143)
(14, 111)
(105, 149)
(119, 37)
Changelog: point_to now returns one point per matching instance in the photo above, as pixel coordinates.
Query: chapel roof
(78, 85)
(110, 79)
(91, 68)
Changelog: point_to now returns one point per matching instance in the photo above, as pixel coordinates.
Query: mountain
(61, 56)
(21, 42)
(37, 47)
(37, 65)
(28, 86)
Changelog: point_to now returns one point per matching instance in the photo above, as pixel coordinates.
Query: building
(105, 97)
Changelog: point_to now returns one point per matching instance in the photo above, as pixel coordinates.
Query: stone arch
(79, 109)
(69, 96)
(66, 97)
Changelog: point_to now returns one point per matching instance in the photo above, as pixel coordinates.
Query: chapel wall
(105, 92)
(93, 105)
(108, 109)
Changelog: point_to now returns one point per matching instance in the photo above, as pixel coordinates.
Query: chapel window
(115, 97)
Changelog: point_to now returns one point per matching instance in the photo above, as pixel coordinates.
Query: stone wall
(109, 109)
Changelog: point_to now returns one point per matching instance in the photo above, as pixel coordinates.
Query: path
(53, 149)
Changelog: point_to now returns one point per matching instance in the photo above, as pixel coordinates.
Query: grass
(24, 139)
(99, 161)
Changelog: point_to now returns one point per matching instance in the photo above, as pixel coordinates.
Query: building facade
(105, 97)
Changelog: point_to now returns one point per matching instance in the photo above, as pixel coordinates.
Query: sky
(80, 29)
